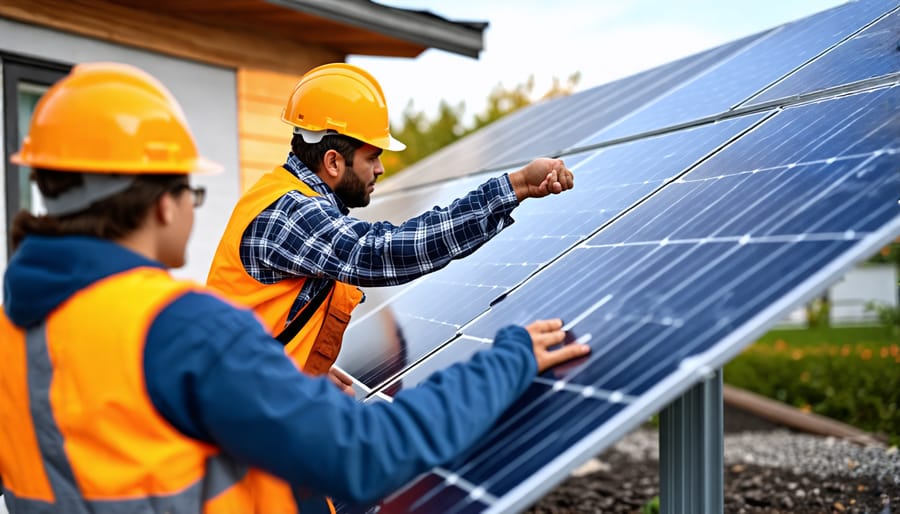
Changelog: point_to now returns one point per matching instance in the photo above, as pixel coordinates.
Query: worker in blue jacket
(126, 390)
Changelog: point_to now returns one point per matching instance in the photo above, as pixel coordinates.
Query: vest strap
(293, 328)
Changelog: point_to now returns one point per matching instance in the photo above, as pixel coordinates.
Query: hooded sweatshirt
(216, 375)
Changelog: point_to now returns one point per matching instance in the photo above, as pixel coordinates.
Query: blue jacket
(217, 376)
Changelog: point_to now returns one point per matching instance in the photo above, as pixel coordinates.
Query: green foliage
(504, 101)
(818, 312)
(848, 374)
(425, 135)
(888, 316)
(651, 507)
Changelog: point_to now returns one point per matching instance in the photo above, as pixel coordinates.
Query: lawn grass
(840, 335)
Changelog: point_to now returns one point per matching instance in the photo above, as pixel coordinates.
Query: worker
(292, 252)
(126, 390)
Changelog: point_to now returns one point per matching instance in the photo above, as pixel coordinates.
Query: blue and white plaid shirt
(299, 236)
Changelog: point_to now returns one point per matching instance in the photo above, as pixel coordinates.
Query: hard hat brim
(394, 145)
(200, 166)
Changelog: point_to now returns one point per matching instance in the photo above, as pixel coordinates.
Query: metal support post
(691, 468)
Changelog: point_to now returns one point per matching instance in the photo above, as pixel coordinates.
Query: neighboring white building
(865, 284)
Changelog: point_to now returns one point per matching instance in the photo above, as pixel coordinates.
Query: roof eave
(464, 38)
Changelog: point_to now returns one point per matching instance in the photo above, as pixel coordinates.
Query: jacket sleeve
(301, 236)
(216, 375)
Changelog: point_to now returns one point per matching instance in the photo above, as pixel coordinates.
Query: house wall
(207, 93)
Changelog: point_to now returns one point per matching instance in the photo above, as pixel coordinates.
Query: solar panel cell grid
(549, 127)
(744, 74)
(656, 301)
(671, 254)
(864, 56)
(609, 181)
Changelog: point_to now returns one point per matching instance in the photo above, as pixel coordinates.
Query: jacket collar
(302, 172)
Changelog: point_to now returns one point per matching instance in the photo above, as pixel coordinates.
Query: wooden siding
(264, 139)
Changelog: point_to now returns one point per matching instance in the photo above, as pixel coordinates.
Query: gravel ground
(766, 472)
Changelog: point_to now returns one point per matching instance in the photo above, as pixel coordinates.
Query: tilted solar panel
(866, 55)
(677, 287)
(610, 180)
(747, 72)
(551, 126)
(674, 251)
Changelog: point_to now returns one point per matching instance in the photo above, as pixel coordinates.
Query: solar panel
(679, 245)
(548, 127)
(677, 287)
(609, 181)
(862, 57)
(738, 78)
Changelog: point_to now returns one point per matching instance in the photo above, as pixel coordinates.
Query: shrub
(823, 372)
(651, 507)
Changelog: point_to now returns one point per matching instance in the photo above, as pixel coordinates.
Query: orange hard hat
(342, 98)
(110, 118)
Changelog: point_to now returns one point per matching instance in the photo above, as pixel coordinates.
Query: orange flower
(865, 354)
(797, 355)
(884, 352)
(780, 345)
(845, 350)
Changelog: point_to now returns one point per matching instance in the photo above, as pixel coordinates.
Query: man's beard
(351, 190)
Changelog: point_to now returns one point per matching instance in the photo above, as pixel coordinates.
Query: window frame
(15, 70)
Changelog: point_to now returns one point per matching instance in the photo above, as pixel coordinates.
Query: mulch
(625, 486)
(749, 489)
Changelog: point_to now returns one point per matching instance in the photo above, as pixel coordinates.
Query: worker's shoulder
(205, 310)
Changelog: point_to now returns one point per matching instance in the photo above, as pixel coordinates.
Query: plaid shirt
(299, 236)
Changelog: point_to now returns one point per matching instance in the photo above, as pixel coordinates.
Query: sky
(602, 39)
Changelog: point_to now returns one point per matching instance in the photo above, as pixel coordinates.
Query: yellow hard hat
(342, 98)
(110, 118)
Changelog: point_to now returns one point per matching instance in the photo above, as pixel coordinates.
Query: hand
(341, 380)
(540, 178)
(546, 333)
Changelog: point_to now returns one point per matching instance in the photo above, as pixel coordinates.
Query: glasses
(199, 193)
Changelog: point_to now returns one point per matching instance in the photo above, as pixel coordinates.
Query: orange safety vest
(316, 345)
(78, 429)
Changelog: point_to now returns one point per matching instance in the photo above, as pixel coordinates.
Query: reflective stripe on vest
(316, 346)
(185, 501)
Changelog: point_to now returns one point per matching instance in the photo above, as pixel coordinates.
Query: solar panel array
(707, 206)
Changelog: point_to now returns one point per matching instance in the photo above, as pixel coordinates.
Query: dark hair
(108, 218)
(311, 154)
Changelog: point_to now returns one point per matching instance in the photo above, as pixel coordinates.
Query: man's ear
(165, 209)
(333, 163)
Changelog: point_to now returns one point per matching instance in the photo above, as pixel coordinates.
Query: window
(24, 82)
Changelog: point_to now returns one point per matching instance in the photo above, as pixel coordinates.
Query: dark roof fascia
(464, 38)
